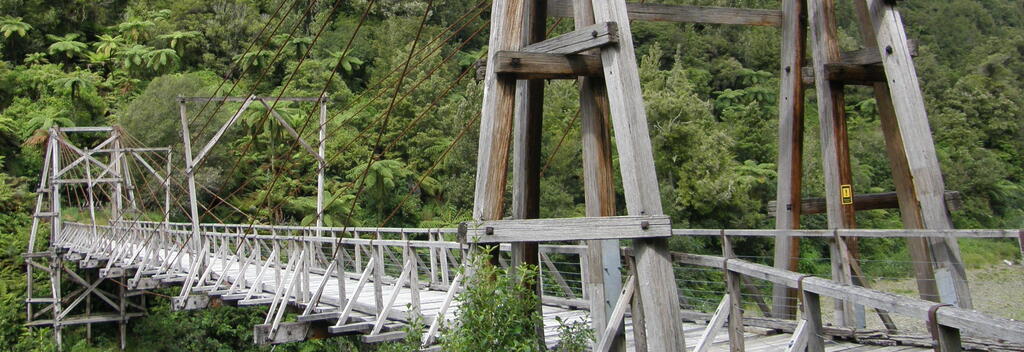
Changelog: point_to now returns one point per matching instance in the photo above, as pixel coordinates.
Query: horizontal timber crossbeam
(683, 13)
(887, 200)
(86, 129)
(565, 229)
(524, 65)
(850, 74)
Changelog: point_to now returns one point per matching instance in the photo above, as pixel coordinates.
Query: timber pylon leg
(515, 27)
(922, 195)
(791, 139)
(909, 145)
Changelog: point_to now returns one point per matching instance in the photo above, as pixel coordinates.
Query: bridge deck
(431, 300)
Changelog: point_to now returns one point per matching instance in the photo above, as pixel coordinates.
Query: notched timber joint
(583, 39)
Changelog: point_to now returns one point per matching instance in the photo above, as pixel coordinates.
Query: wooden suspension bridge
(374, 281)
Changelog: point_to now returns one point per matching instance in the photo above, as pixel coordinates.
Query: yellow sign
(846, 192)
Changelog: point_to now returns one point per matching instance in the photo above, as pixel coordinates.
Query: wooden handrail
(866, 233)
(966, 320)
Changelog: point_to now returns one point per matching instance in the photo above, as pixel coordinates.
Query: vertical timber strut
(528, 130)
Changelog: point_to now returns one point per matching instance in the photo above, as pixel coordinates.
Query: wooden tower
(885, 64)
(518, 61)
(100, 174)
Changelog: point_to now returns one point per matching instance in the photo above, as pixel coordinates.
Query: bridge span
(373, 281)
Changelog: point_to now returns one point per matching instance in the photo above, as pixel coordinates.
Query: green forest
(399, 80)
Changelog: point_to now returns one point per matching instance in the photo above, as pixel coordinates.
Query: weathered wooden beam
(523, 65)
(683, 13)
(653, 262)
(791, 149)
(812, 314)
(87, 181)
(835, 148)
(617, 316)
(603, 274)
(86, 129)
(871, 233)
(565, 229)
(869, 55)
(732, 286)
(918, 146)
(849, 74)
(497, 114)
(289, 332)
(526, 148)
(898, 163)
(583, 39)
(798, 343)
(978, 323)
(715, 324)
(872, 201)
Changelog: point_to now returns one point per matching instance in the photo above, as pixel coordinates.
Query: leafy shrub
(497, 311)
(574, 336)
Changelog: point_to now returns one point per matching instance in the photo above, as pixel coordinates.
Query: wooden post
(604, 277)
(1020, 244)
(526, 149)
(321, 166)
(57, 266)
(117, 204)
(122, 324)
(191, 174)
(167, 201)
(918, 247)
(497, 114)
(378, 276)
(791, 145)
(926, 185)
(637, 309)
(93, 228)
(357, 252)
(657, 285)
(812, 314)
(732, 284)
(56, 261)
(834, 143)
(433, 258)
(948, 339)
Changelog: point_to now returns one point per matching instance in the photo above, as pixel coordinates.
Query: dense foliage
(497, 310)
(711, 94)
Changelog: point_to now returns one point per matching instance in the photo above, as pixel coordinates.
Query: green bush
(497, 312)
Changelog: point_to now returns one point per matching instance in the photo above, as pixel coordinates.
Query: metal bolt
(593, 34)
(489, 230)
(515, 61)
(888, 49)
(788, 69)
(645, 224)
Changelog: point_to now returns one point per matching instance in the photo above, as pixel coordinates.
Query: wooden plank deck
(432, 299)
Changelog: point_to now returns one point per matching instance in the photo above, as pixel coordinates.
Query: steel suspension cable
(231, 67)
(367, 129)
